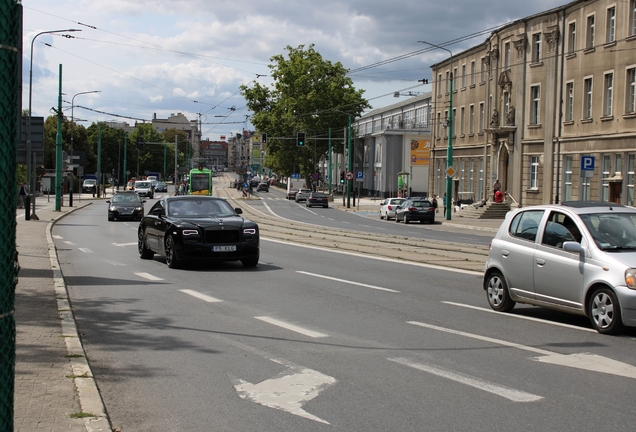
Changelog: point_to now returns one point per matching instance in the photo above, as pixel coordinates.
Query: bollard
(27, 207)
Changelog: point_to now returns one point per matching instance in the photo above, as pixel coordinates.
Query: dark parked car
(125, 205)
(198, 228)
(317, 199)
(421, 210)
(263, 187)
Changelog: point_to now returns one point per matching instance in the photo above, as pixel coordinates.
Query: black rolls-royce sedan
(188, 228)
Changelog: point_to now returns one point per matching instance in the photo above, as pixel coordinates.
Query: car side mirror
(238, 211)
(143, 201)
(108, 202)
(572, 246)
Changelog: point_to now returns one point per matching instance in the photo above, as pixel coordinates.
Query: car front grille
(222, 235)
(125, 210)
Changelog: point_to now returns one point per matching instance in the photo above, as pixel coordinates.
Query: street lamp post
(31, 169)
(70, 199)
(449, 150)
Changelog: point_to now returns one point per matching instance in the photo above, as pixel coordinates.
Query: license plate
(223, 248)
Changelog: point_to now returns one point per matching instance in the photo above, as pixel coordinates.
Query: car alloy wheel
(605, 312)
(144, 252)
(497, 291)
(171, 256)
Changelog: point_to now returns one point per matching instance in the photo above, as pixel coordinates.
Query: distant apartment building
(180, 122)
(547, 105)
(214, 153)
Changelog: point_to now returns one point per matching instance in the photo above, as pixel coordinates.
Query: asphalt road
(320, 340)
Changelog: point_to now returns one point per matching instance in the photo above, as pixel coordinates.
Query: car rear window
(421, 204)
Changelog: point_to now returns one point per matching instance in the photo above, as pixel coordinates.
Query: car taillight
(412, 209)
(430, 209)
(390, 208)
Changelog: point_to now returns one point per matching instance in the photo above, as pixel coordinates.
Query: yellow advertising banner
(420, 152)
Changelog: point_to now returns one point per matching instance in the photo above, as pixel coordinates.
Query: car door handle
(505, 253)
(540, 262)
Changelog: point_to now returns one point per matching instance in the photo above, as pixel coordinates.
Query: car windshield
(199, 208)
(612, 231)
(396, 201)
(126, 198)
(142, 185)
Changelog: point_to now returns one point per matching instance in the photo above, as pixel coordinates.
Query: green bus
(200, 181)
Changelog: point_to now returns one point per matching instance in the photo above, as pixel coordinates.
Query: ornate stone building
(536, 97)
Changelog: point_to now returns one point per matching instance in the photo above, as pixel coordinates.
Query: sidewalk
(54, 388)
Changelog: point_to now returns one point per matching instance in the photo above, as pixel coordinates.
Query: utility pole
(176, 167)
(125, 160)
(349, 163)
(58, 149)
(99, 160)
(329, 169)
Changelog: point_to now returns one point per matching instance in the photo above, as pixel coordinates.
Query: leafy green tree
(310, 95)
(182, 143)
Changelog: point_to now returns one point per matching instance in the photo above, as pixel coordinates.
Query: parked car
(388, 207)
(89, 186)
(414, 209)
(161, 187)
(302, 195)
(125, 205)
(291, 194)
(262, 187)
(144, 188)
(317, 199)
(198, 228)
(578, 257)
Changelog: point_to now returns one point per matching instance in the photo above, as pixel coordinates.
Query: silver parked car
(388, 207)
(578, 257)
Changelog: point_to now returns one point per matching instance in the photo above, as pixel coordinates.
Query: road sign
(587, 163)
(359, 176)
(295, 176)
(450, 171)
(349, 175)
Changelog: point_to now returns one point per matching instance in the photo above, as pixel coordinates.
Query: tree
(308, 95)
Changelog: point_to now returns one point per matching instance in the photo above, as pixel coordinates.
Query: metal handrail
(512, 198)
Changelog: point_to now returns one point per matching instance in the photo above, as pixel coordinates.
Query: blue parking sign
(587, 163)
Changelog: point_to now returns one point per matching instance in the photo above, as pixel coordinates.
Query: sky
(162, 57)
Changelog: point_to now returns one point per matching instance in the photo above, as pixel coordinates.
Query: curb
(88, 394)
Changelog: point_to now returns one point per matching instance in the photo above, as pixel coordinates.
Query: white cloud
(160, 56)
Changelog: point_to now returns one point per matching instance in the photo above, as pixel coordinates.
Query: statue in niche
(494, 120)
(510, 116)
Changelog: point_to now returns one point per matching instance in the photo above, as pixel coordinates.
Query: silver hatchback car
(578, 257)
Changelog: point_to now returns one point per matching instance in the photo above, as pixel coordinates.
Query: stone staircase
(489, 211)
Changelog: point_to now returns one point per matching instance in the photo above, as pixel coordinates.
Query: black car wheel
(406, 219)
(144, 252)
(605, 312)
(397, 218)
(171, 255)
(497, 291)
(250, 262)
(110, 217)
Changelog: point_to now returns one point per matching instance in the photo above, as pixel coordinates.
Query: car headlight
(112, 208)
(139, 208)
(249, 231)
(189, 232)
(630, 278)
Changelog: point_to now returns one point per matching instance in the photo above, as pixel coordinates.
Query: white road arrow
(288, 391)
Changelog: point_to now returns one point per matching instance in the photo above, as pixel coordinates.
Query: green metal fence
(10, 58)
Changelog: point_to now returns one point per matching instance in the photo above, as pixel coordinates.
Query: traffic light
(341, 176)
(300, 139)
(264, 138)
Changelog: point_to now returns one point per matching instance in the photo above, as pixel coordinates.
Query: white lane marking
(57, 237)
(570, 326)
(307, 208)
(589, 362)
(270, 209)
(366, 226)
(505, 392)
(377, 258)
(125, 244)
(85, 250)
(331, 219)
(288, 391)
(348, 282)
(201, 296)
(114, 263)
(292, 327)
(346, 222)
(148, 276)
(69, 242)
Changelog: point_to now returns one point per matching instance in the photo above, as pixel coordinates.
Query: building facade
(392, 148)
(546, 105)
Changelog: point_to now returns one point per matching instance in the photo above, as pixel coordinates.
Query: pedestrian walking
(22, 193)
(444, 203)
(434, 202)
